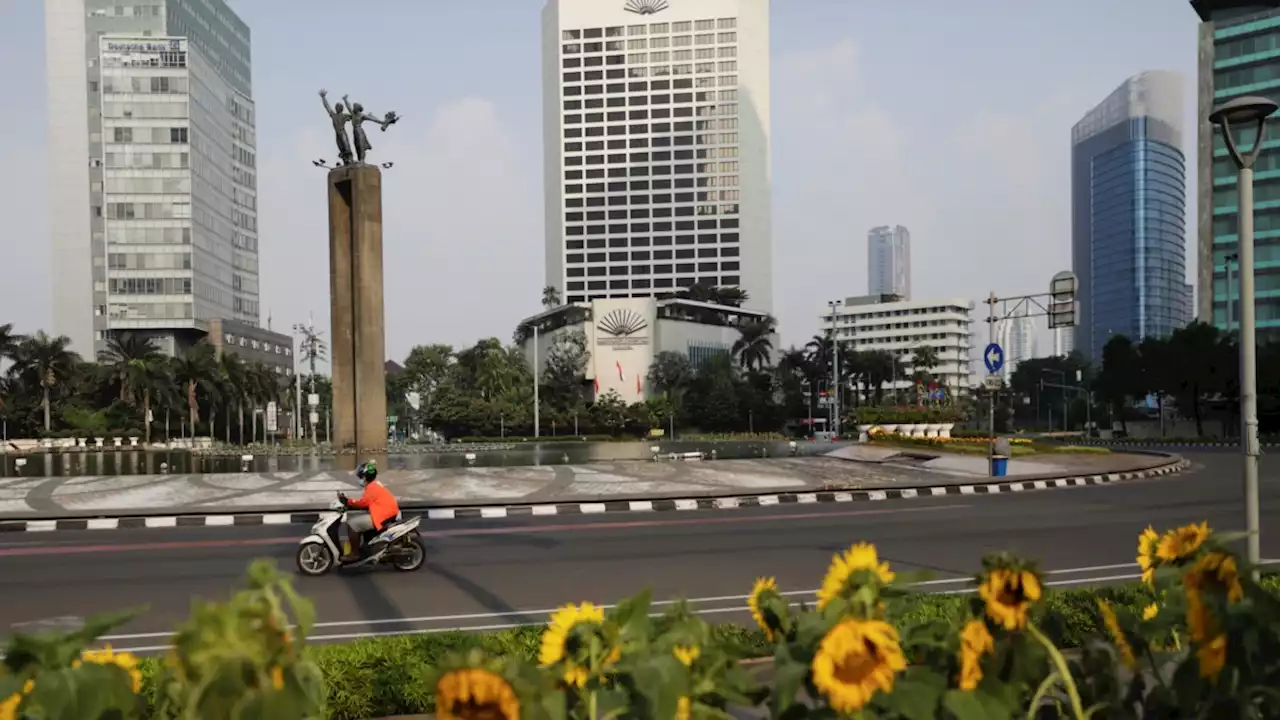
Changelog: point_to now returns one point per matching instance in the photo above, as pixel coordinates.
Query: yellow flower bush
(1197, 638)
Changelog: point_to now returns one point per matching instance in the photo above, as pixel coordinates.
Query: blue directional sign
(993, 356)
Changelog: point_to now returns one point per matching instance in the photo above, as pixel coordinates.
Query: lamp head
(1243, 110)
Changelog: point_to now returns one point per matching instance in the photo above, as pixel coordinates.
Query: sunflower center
(854, 667)
(471, 710)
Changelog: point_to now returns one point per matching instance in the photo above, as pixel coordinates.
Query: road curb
(136, 522)
(1224, 444)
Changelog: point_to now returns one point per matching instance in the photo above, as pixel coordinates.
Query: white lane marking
(493, 512)
(102, 524)
(544, 510)
(686, 504)
(696, 601)
(219, 520)
(160, 522)
(877, 495)
(640, 506)
(592, 508)
(277, 519)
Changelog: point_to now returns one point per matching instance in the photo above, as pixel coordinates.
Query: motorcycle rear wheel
(410, 555)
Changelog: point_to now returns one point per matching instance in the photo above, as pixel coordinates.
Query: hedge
(380, 676)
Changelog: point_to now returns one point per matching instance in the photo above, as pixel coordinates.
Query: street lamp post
(835, 371)
(1232, 258)
(1242, 112)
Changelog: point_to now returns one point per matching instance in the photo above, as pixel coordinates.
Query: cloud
(462, 233)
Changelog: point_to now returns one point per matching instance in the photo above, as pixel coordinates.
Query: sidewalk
(876, 469)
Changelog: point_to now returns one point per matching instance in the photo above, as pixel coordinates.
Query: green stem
(1041, 691)
(1059, 662)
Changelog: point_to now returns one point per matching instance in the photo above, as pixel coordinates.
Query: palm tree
(129, 357)
(9, 342)
(49, 361)
(262, 386)
(233, 387)
(754, 346)
(550, 297)
(196, 370)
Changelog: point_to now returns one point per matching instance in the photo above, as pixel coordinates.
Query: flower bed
(1196, 638)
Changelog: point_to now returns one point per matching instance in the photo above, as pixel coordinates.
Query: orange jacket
(380, 503)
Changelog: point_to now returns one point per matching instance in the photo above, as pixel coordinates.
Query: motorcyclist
(372, 511)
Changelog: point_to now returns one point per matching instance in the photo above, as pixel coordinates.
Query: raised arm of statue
(324, 98)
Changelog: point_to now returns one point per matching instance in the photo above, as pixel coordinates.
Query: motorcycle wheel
(314, 560)
(411, 554)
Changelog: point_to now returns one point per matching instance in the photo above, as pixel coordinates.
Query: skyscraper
(1128, 232)
(889, 261)
(1064, 342)
(656, 147)
(153, 169)
(1239, 54)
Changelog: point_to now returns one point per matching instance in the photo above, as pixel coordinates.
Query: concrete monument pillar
(358, 329)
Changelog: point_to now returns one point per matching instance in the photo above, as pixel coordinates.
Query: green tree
(719, 408)
(609, 414)
(49, 361)
(754, 346)
(1199, 369)
(565, 369)
(550, 297)
(196, 371)
(1120, 380)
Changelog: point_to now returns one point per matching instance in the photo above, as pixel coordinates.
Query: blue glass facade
(1128, 230)
(1138, 240)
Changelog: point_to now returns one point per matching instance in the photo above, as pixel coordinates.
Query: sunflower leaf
(915, 694)
(975, 705)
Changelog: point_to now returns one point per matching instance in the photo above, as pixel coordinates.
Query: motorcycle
(398, 544)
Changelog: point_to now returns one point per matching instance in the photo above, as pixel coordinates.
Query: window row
(599, 131)
(150, 286)
(676, 41)
(651, 29)
(144, 160)
(148, 211)
(126, 235)
(657, 283)
(148, 185)
(645, 185)
(149, 261)
(723, 167)
(151, 311)
(151, 85)
(662, 43)
(657, 212)
(156, 110)
(596, 103)
(706, 153)
(594, 61)
(657, 269)
(164, 59)
(705, 96)
(647, 255)
(148, 135)
(661, 226)
(657, 114)
(574, 216)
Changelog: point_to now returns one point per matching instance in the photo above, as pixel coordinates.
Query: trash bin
(1001, 450)
(999, 466)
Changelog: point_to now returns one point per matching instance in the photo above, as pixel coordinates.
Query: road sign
(993, 356)
(993, 382)
(272, 418)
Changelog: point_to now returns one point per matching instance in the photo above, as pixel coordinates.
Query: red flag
(597, 384)
(639, 388)
(619, 364)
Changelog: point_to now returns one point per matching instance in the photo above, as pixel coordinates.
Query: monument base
(358, 337)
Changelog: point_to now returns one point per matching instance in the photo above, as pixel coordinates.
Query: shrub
(1196, 638)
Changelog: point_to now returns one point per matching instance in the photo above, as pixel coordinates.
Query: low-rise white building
(623, 335)
(888, 323)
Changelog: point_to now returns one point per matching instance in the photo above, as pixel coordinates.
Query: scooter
(398, 544)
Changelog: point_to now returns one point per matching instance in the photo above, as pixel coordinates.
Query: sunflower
(686, 654)
(858, 557)
(1199, 619)
(558, 638)
(1182, 542)
(1147, 559)
(857, 658)
(125, 661)
(1149, 612)
(277, 677)
(1218, 568)
(475, 694)
(1112, 623)
(1212, 656)
(684, 709)
(9, 706)
(754, 601)
(975, 641)
(1009, 594)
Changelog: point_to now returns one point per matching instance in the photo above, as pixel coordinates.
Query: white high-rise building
(153, 170)
(900, 328)
(1021, 343)
(1064, 341)
(656, 142)
(889, 261)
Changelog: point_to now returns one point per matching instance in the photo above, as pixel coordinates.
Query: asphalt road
(487, 574)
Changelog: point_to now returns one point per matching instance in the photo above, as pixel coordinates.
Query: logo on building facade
(144, 46)
(646, 7)
(624, 328)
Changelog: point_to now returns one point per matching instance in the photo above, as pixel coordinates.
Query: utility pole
(835, 372)
(536, 429)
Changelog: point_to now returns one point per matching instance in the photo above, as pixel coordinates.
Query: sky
(953, 119)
